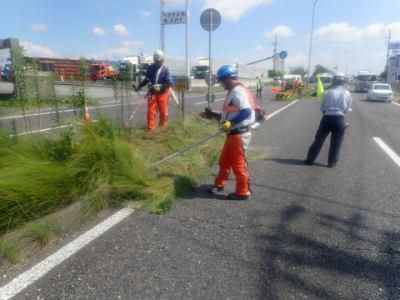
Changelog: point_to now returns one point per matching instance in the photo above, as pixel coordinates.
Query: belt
(239, 130)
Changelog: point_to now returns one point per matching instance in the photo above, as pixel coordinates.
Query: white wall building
(394, 68)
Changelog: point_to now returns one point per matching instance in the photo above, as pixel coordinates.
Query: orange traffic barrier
(275, 89)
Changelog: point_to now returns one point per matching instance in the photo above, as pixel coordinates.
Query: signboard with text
(182, 83)
(174, 17)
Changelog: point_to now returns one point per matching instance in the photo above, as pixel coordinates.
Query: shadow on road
(312, 264)
(292, 161)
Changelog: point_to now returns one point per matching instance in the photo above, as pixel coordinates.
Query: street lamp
(314, 2)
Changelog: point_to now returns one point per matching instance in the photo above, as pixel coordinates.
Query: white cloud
(343, 32)
(339, 32)
(258, 48)
(374, 31)
(120, 29)
(38, 27)
(34, 50)
(279, 31)
(98, 31)
(127, 48)
(395, 27)
(234, 9)
(145, 13)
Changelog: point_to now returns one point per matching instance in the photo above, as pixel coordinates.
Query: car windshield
(326, 79)
(366, 78)
(95, 68)
(381, 87)
(200, 68)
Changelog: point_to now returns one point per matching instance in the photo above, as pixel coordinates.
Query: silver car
(380, 92)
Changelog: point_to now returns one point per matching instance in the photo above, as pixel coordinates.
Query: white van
(291, 77)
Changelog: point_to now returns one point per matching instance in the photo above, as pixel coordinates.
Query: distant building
(394, 68)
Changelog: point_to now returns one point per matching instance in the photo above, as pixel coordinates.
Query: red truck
(102, 71)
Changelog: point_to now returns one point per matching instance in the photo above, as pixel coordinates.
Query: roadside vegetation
(98, 165)
(52, 183)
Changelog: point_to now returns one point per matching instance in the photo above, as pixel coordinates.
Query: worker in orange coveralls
(237, 116)
(159, 82)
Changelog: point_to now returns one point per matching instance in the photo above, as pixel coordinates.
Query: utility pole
(187, 41)
(162, 45)
(314, 2)
(275, 44)
(387, 57)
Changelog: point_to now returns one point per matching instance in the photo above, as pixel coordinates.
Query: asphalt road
(309, 232)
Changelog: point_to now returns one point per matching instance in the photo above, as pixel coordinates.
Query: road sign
(174, 17)
(210, 19)
(212, 98)
(283, 54)
(213, 80)
(181, 83)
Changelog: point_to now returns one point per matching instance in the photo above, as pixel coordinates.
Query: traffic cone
(275, 90)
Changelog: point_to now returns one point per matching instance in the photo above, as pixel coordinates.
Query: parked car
(277, 81)
(380, 92)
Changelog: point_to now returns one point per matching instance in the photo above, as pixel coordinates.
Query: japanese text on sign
(174, 17)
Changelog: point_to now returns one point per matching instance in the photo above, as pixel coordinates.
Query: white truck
(364, 81)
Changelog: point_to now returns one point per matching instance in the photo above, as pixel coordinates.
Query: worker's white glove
(157, 88)
(226, 125)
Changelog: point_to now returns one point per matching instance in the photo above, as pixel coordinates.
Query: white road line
(200, 95)
(44, 129)
(34, 114)
(205, 102)
(63, 111)
(395, 103)
(388, 151)
(25, 279)
(39, 130)
(279, 110)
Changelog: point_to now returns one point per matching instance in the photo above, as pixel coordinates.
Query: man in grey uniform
(335, 104)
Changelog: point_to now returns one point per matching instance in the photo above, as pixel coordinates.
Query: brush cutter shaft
(186, 149)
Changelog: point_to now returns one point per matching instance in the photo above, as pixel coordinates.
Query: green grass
(101, 165)
(40, 232)
(10, 252)
(31, 186)
(51, 185)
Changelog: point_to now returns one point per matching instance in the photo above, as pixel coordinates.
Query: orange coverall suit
(233, 155)
(158, 95)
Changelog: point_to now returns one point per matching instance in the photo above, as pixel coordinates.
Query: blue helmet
(226, 71)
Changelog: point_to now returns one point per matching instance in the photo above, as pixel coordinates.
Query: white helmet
(158, 55)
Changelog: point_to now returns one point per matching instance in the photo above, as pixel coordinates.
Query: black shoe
(308, 162)
(331, 165)
(234, 196)
(215, 189)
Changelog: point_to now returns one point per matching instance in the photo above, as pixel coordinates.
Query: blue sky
(348, 34)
